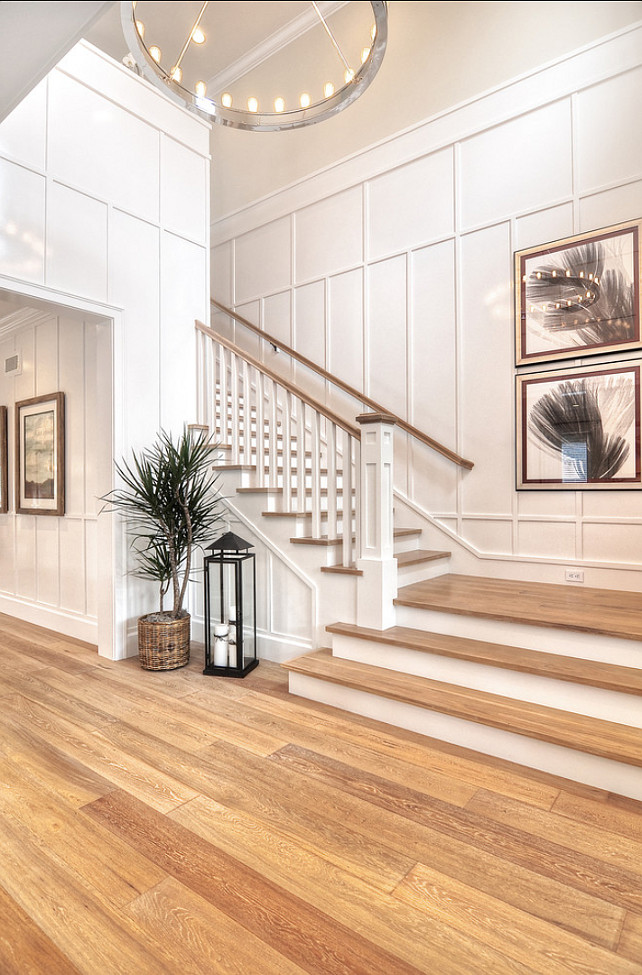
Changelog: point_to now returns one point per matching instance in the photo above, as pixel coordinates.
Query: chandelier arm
(191, 33)
(331, 36)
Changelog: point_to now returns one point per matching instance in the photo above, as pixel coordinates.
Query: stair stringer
(329, 594)
(466, 559)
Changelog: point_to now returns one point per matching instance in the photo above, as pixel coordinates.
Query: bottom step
(599, 753)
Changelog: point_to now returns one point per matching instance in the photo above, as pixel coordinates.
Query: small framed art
(40, 455)
(579, 296)
(579, 429)
(4, 462)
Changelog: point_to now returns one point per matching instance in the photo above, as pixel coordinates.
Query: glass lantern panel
(249, 622)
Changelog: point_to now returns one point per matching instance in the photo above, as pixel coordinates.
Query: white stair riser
(591, 646)
(599, 772)
(563, 695)
(409, 574)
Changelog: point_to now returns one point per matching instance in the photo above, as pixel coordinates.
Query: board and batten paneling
(405, 255)
(104, 202)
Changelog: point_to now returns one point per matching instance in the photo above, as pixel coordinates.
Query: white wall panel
(73, 571)
(329, 236)
(262, 261)
(309, 321)
(543, 226)
(71, 354)
(521, 165)
(345, 327)
(486, 372)
(111, 154)
(433, 478)
(290, 607)
(613, 543)
(221, 274)
(26, 556)
(47, 377)
(7, 554)
(609, 140)
(277, 317)
(611, 206)
(47, 564)
(412, 204)
(76, 243)
(91, 559)
(546, 540)
(96, 430)
(386, 334)
(22, 133)
(621, 504)
(22, 223)
(134, 249)
(184, 177)
(489, 536)
(545, 502)
(245, 338)
(183, 300)
(432, 342)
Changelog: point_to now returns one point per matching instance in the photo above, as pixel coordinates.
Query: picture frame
(40, 455)
(4, 463)
(579, 429)
(579, 296)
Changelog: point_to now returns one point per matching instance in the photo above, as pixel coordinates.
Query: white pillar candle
(221, 644)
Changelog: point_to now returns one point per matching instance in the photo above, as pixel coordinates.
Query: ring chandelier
(356, 78)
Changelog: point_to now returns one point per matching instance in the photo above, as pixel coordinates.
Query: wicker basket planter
(163, 644)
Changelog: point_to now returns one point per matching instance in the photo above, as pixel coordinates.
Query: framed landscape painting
(579, 296)
(40, 455)
(579, 429)
(4, 462)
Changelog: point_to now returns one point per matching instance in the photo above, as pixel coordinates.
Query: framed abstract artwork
(4, 462)
(579, 296)
(579, 429)
(40, 455)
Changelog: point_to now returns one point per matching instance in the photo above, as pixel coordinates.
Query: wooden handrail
(281, 380)
(372, 404)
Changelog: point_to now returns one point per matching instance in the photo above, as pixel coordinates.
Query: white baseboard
(52, 619)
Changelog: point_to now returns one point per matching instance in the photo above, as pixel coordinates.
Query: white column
(377, 587)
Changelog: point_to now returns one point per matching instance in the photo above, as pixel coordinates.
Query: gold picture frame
(40, 455)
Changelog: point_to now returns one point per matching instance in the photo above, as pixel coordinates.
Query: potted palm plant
(169, 502)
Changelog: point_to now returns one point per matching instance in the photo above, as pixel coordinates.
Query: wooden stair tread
(346, 570)
(418, 555)
(321, 540)
(587, 610)
(595, 673)
(617, 742)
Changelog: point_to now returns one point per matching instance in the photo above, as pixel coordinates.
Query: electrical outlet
(574, 575)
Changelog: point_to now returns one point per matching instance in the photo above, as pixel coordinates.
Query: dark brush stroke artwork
(585, 293)
(587, 413)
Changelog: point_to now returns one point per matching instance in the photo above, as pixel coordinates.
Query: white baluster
(346, 551)
(300, 457)
(246, 452)
(222, 393)
(331, 467)
(234, 408)
(259, 436)
(355, 467)
(315, 473)
(273, 450)
(286, 447)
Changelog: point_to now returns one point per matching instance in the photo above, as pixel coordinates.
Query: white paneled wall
(399, 264)
(104, 204)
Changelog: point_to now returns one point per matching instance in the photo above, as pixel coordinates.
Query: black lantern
(230, 607)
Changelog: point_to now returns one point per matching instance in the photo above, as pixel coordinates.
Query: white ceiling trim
(272, 44)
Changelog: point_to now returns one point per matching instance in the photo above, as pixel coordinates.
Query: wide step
(606, 739)
(593, 673)
(586, 610)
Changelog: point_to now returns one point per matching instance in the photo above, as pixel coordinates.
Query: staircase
(543, 675)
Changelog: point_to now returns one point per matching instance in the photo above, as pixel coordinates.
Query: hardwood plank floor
(176, 823)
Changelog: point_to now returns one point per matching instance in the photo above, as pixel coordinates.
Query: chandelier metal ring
(259, 121)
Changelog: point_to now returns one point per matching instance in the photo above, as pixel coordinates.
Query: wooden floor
(588, 610)
(176, 823)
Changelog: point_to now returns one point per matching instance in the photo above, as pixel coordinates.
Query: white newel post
(377, 587)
